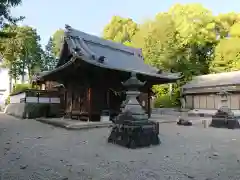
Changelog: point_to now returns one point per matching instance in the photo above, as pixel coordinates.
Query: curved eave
(47, 74)
(153, 77)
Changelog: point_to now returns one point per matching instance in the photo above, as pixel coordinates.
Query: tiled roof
(108, 54)
(220, 79)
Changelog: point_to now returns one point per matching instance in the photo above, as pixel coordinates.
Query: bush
(164, 101)
(21, 87)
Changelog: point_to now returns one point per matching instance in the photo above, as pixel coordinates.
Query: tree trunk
(10, 83)
(29, 76)
(22, 81)
(23, 73)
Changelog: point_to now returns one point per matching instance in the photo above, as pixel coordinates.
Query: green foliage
(164, 98)
(7, 100)
(120, 30)
(164, 101)
(5, 15)
(21, 87)
(227, 56)
(52, 51)
(57, 41)
(18, 88)
(49, 59)
(187, 38)
(22, 52)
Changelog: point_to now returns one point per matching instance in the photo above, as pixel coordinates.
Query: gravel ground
(32, 150)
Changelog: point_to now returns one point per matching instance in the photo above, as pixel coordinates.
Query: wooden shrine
(90, 73)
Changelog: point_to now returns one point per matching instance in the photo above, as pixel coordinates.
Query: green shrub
(21, 87)
(7, 100)
(164, 101)
(163, 98)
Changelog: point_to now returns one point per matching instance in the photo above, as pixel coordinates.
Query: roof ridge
(217, 74)
(98, 40)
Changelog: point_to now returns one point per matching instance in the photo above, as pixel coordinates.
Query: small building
(90, 73)
(203, 91)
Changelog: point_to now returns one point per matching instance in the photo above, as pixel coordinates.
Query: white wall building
(4, 83)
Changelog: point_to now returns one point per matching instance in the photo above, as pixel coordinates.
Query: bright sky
(92, 15)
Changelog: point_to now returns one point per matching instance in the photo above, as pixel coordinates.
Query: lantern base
(135, 134)
(224, 118)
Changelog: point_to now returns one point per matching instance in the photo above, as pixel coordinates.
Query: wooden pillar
(64, 105)
(89, 104)
(108, 100)
(149, 110)
(71, 108)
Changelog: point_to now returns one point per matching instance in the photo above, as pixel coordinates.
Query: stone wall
(32, 110)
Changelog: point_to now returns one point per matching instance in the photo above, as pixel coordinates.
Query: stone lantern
(224, 117)
(132, 128)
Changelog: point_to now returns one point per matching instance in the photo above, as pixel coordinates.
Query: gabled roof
(107, 54)
(219, 79)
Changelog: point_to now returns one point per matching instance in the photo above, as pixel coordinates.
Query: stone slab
(78, 125)
(74, 124)
(208, 112)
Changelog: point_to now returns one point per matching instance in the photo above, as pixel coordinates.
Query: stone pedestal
(224, 117)
(132, 128)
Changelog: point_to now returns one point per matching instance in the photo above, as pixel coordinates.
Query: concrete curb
(76, 126)
(164, 122)
(81, 125)
(54, 123)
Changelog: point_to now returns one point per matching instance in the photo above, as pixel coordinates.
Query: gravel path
(32, 150)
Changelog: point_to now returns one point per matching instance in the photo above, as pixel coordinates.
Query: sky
(91, 16)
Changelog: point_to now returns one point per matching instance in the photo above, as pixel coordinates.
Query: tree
(10, 52)
(187, 38)
(227, 56)
(30, 54)
(21, 53)
(49, 59)
(120, 30)
(5, 16)
(227, 51)
(57, 41)
(155, 38)
(224, 22)
(179, 40)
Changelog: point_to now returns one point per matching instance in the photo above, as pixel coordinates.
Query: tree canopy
(120, 29)
(5, 15)
(22, 52)
(187, 38)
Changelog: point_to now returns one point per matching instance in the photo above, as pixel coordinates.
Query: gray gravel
(32, 150)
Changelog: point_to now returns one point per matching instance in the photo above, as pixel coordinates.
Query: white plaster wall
(17, 98)
(4, 83)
